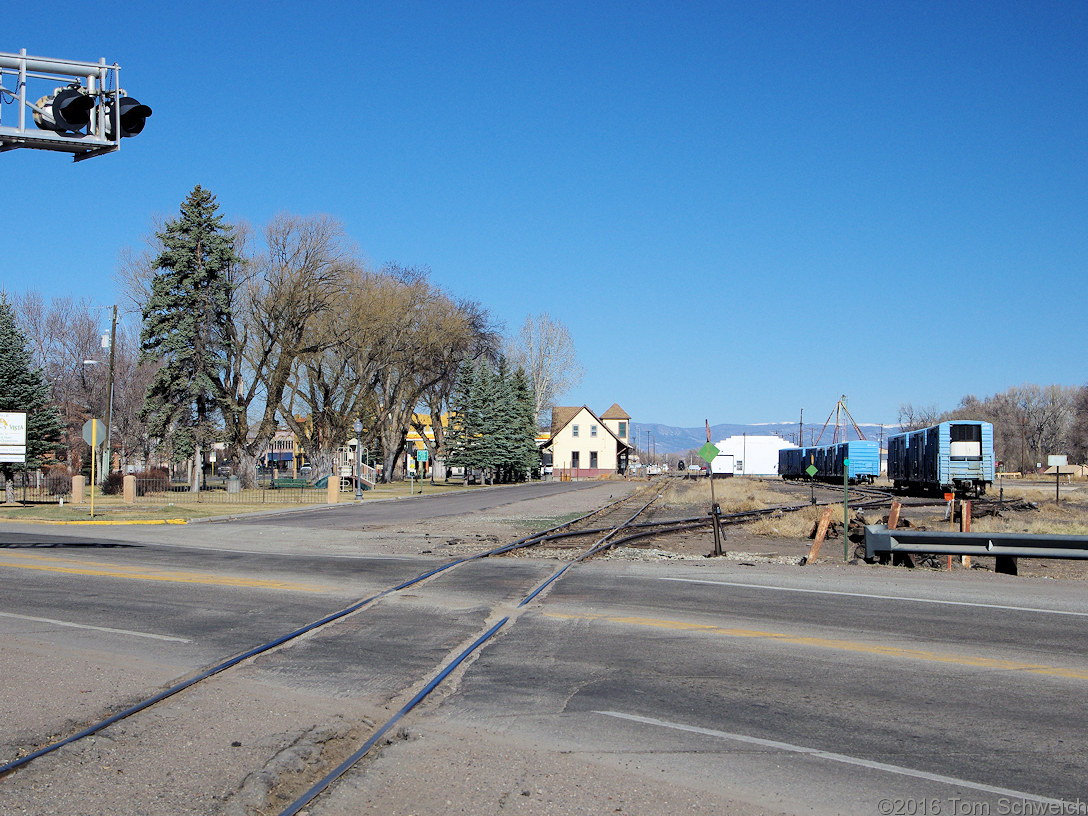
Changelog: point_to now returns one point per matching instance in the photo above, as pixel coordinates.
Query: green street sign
(421, 455)
(811, 470)
(707, 453)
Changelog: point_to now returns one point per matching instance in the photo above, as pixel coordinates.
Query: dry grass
(734, 495)
(1067, 517)
(738, 495)
(797, 524)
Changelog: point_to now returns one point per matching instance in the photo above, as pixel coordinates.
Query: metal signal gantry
(82, 111)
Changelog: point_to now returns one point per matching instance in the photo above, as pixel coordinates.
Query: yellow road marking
(842, 645)
(72, 566)
(128, 522)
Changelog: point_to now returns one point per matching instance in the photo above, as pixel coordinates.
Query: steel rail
(364, 749)
(323, 785)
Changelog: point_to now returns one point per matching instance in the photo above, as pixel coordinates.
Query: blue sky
(738, 210)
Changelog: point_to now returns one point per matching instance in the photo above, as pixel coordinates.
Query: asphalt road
(434, 502)
(818, 690)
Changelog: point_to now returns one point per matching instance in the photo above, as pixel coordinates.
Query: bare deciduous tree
(284, 298)
(545, 350)
(433, 336)
(912, 417)
(63, 333)
(1030, 421)
(1077, 442)
(281, 294)
(330, 387)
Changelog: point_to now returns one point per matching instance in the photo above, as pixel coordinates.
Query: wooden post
(951, 520)
(893, 516)
(714, 512)
(821, 534)
(965, 527)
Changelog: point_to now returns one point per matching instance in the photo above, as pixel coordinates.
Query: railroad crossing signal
(69, 109)
(131, 116)
(80, 108)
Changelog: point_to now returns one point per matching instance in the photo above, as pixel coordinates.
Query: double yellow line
(74, 566)
(839, 645)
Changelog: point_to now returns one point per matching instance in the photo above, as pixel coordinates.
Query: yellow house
(585, 446)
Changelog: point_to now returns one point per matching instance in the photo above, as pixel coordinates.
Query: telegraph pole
(109, 413)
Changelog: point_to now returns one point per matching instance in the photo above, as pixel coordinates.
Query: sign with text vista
(13, 436)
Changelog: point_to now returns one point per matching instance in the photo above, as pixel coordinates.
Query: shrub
(114, 483)
(58, 480)
(155, 480)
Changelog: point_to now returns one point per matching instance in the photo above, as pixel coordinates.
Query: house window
(574, 459)
(623, 430)
(574, 430)
(593, 459)
(592, 430)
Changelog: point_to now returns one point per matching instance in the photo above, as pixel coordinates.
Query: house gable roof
(562, 417)
(615, 412)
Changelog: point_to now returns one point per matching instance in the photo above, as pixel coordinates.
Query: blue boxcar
(863, 456)
(956, 457)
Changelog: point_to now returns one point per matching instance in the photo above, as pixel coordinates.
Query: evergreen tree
(493, 422)
(24, 389)
(463, 435)
(186, 326)
(526, 452)
(497, 422)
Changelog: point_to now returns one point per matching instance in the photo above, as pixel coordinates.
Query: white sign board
(13, 428)
(1057, 461)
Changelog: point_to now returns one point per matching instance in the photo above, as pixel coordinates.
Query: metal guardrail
(880, 540)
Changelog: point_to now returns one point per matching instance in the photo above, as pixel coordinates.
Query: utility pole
(109, 413)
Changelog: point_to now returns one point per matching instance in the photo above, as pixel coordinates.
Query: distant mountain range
(670, 439)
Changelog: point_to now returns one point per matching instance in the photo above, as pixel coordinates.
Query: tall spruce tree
(526, 452)
(493, 422)
(186, 326)
(463, 437)
(497, 421)
(24, 389)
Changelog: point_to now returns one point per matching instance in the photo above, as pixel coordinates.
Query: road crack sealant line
(295, 807)
(14, 764)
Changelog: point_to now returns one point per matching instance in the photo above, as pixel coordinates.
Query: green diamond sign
(707, 453)
(811, 470)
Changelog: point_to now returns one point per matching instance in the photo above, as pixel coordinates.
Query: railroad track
(618, 523)
(603, 527)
